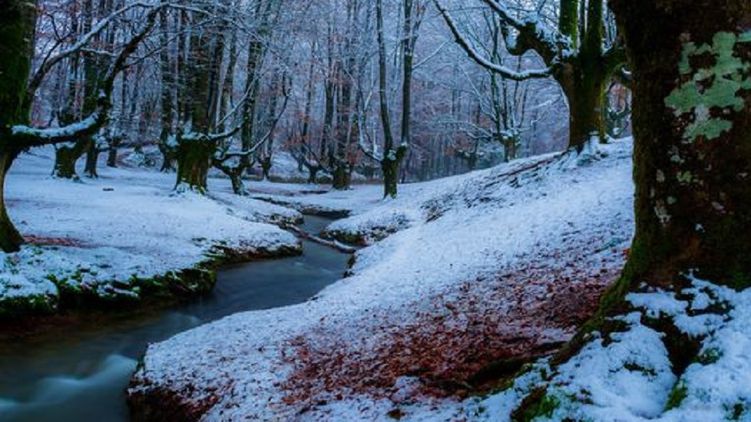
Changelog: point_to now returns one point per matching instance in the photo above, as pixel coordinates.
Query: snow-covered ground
(462, 273)
(109, 237)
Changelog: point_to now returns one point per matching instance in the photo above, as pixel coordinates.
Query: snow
(598, 375)
(99, 235)
(505, 261)
(632, 378)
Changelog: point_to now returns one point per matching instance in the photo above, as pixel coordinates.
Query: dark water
(79, 373)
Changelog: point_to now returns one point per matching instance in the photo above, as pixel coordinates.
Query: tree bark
(112, 156)
(92, 159)
(692, 153)
(66, 157)
(17, 22)
(193, 163)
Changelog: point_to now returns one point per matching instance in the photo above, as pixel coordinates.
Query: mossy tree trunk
(193, 163)
(341, 177)
(92, 159)
(65, 163)
(196, 149)
(584, 76)
(17, 22)
(584, 88)
(692, 128)
(10, 238)
(390, 169)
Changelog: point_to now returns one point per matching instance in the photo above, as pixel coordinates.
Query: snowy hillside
(472, 274)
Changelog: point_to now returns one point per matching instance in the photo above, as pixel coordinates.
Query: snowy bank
(475, 275)
(124, 237)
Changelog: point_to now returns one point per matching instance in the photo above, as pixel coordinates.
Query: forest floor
(124, 236)
(461, 280)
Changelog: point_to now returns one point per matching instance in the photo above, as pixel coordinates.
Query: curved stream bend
(80, 373)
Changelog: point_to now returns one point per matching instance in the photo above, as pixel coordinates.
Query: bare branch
(482, 61)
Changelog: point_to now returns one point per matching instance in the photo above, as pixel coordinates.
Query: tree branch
(482, 61)
(29, 137)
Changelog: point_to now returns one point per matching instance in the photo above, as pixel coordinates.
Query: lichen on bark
(711, 88)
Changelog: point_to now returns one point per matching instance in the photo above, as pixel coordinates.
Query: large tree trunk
(693, 149)
(341, 178)
(66, 157)
(193, 163)
(584, 78)
(692, 152)
(10, 239)
(17, 22)
(584, 87)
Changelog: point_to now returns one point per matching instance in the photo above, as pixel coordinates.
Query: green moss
(736, 411)
(677, 395)
(634, 367)
(16, 307)
(543, 408)
(709, 356)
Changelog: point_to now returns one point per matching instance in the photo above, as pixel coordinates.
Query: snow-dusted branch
(36, 79)
(226, 155)
(480, 59)
(28, 136)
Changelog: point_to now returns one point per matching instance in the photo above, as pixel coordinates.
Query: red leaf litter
(519, 313)
(53, 241)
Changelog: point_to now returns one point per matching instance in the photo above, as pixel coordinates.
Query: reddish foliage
(520, 312)
(53, 241)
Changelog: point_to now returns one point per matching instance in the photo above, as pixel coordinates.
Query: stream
(79, 373)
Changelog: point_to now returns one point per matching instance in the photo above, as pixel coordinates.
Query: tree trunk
(266, 164)
(112, 156)
(692, 154)
(66, 157)
(341, 178)
(193, 162)
(168, 157)
(584, 91)
(390, 170)
(313, 174)
(10, 239)
(238, 185)
(92, 159)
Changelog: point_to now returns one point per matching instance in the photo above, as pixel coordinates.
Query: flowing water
(79, 372)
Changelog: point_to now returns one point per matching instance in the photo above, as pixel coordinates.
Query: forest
(346, 210)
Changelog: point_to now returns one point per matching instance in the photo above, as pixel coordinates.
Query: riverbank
(125, 239)
(79, 371)
(464, 280)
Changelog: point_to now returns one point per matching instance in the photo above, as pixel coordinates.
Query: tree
(17, 25)
(691, 62)
(693, 153)
(393, 154)
(573, 55)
